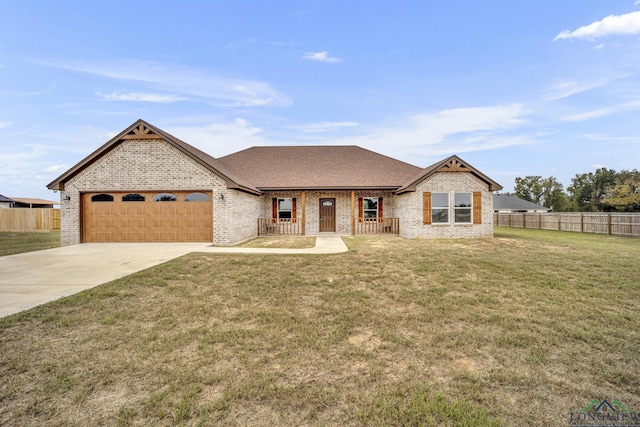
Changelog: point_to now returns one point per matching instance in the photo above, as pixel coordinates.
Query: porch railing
(378, 226)
(275, 226)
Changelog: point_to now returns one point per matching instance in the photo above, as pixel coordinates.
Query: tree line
(604, 190)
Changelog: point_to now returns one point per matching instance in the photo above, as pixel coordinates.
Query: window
(165, 197)
(133, 197)
(102, 198)
(462, 207)
(370, 208)
(467, 208)
(439, 208)
(285, 209)
(196, 197)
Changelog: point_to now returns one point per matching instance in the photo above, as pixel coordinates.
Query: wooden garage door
(171, 216)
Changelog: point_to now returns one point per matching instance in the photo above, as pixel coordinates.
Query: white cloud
(628, 23)
(180, 82)
(600, 46)
(141, 97)
(431, 135)
(564, 89)
(321, 57)
(601, 112)
(4, 124)
(55, 169)
(608, 138)
(324, 126)
(219, 139)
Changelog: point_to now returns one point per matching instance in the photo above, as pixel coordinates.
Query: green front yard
(518, 330)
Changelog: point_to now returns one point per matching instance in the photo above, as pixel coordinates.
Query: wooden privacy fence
(23, 219)
(615, 223)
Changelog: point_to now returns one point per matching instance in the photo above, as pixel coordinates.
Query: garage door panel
(163, 236)
(104, 236)
(164, 208)
(131, 236)
(132, 209)
(196, 236)
(146, 221)
(188, 223)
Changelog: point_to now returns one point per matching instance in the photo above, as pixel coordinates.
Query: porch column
(353, 218)
(304, 217)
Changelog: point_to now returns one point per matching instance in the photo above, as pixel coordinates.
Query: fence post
(539, 221)
(581, 222)
(609, 223)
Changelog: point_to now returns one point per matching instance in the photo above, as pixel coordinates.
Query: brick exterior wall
(409, 207)
(236, 218)
(140, 165)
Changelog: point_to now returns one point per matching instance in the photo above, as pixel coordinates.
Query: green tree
(625, 194)
(553, 195)
(547, 192)
(587, 190)
(529, 188)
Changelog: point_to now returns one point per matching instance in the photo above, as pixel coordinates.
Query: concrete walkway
(34, 278)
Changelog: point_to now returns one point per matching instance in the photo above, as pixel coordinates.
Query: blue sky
(516, 88)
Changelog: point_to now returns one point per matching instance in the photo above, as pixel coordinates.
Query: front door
(327, 215)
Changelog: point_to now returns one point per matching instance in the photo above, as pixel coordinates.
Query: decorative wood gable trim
(454, 165)
(450, 164)
(141, 132)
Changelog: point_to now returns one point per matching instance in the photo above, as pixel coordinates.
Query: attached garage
(159, 216)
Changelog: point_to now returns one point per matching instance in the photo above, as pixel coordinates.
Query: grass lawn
(519, 330)
(290, 242)
(18, 242)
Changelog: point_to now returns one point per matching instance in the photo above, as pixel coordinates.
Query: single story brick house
(145, 185)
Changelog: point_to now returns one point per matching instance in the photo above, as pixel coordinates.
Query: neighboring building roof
(4, 199)
(32, 201)
(450, 164)
(504, 202)
(318, 167)
(143, 130)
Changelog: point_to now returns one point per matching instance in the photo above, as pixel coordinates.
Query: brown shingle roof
(318, 167)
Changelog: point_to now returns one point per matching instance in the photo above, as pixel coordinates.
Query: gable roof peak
(452, 163)
(142, 130)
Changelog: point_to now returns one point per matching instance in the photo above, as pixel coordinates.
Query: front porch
(295, 226)
(312, 212)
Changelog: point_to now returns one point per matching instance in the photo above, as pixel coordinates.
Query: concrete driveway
(34, 278)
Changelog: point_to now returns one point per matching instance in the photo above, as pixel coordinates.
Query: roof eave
(329, 188)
